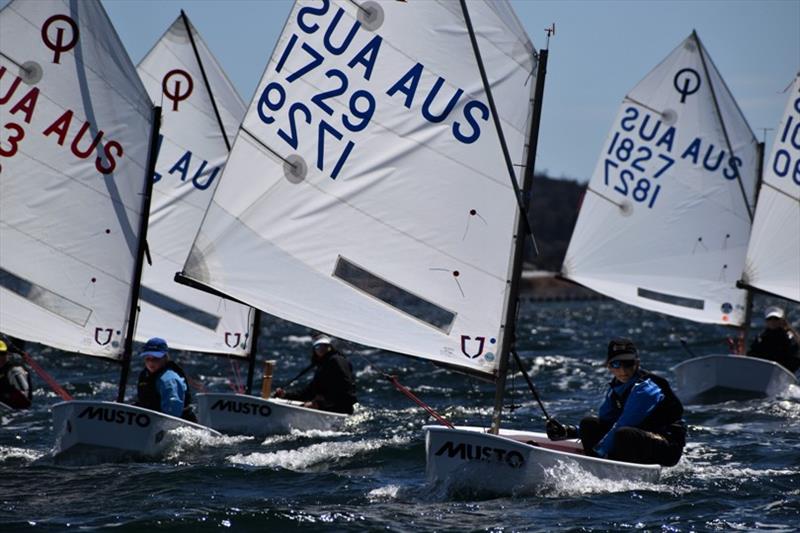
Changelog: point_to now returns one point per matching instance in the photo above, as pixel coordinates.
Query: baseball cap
(322, 339)
(621, 349)
(155, 347)
(774, 312)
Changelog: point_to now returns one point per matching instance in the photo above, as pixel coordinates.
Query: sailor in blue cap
(162, 383)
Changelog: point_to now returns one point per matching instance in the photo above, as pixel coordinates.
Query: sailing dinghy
(369, 191)
(74, 200)
(666, 219)
(772, 266)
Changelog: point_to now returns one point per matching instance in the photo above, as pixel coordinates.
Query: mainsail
(366, 194)
(201, 114)
(773, 257)
(73, 149)
(665, 221)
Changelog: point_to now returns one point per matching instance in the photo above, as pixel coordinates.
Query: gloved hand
(558, 431)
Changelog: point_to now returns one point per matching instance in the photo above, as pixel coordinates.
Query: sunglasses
(619, 364)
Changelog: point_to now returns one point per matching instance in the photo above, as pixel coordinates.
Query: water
(741, 470)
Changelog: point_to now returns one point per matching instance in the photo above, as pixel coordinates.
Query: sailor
(15, 381)
(640, 419)
(778, 342)
(333, 387)
(162, 383)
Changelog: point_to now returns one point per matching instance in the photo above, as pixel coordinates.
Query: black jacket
(333, 387)
(777, 345)
(11, 395)
(147, 394)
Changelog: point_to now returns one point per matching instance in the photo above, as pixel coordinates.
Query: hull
(514, 462)
(251, 415)
(730, 377)
(92, 425)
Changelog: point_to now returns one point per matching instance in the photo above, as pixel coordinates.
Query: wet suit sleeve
(643, 399)
(172, 390)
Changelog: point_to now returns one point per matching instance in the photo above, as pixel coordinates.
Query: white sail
(366, 194)
(664, 224)
(773, 257)
(193, 147)
(74, 145)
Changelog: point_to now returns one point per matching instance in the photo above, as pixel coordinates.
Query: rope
(530, 383)
(58, 389)
(410, 395)
(236, 384)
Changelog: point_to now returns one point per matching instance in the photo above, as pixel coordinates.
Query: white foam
(383, 494)
(184, 439)
(568, 479)
(12, 453)
(305, 457)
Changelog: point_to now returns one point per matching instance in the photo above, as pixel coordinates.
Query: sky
(601, 49)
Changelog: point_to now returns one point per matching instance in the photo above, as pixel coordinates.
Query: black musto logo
(243, 408)
(473, 452)
(115, 416)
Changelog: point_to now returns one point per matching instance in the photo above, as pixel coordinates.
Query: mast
(137, 273)
(748, 310)
(523, 200)
(251, 357)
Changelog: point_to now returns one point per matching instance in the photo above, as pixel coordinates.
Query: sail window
(181, 309)
(45, 298)
(671, 299)
(394, 296)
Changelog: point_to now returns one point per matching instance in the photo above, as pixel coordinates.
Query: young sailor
(640, 419)
(162, 383)
(778, 342)
(333, 387)
(15, 381)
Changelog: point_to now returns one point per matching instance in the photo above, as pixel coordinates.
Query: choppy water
(741, 470)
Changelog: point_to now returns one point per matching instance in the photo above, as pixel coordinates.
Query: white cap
(322, 339)
(774, 311)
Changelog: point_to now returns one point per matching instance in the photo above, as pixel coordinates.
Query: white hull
(251, 415)
(730, 377)
(114, 426)
(468, 458)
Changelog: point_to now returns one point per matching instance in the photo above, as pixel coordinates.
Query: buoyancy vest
(667, 417)
(147, 390)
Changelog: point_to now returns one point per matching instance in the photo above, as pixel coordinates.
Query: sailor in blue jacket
(640, 419)
(162, 383)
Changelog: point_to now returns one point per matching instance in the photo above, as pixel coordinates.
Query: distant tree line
(553, 212)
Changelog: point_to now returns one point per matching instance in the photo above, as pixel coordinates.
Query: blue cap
(155, 347)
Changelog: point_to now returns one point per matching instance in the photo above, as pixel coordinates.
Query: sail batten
(372, 201)
(667, 225)
(199, 105)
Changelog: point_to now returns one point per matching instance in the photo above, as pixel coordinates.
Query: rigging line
(530, 383)
(640, 104)
(58, 389)
(779, 191)
(722, 124)
(270, 150)
(496, 119)
(606, 198)
(410, 395)
(24, 69)
(362, 8)
(205, 80)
